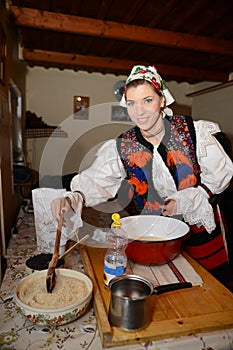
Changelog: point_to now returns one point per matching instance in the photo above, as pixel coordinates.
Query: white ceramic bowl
(56, 316)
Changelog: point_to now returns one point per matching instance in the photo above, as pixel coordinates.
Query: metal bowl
(153, 240)
(56, 316)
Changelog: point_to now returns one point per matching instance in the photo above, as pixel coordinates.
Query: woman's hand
(169, 208)
(57, 210)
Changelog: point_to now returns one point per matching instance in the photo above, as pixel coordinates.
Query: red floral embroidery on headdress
(156, 84)
(141, 71)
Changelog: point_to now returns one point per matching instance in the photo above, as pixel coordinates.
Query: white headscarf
(150, 74)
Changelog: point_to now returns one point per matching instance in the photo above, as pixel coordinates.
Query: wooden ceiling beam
(118, 65)
(86, 26)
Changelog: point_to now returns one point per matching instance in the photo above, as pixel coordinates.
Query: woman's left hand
(169, 208)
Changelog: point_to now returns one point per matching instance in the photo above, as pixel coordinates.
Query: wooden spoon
(51, 274)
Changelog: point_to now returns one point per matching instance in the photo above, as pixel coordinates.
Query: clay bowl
(153, 240)
(57, 315)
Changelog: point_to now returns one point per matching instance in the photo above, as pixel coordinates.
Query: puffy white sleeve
(216, 166)
(216, 173)
(103, 178)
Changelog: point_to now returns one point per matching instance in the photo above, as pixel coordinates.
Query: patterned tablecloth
(17, 333)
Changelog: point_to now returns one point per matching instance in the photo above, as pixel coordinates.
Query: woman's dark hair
(137, 82)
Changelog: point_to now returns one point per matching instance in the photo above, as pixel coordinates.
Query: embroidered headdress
(150, 74)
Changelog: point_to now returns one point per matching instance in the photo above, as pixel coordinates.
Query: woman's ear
(162, 102)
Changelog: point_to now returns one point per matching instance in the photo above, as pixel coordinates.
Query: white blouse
(103, 178)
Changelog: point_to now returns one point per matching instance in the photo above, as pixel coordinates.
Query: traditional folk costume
(177, 150)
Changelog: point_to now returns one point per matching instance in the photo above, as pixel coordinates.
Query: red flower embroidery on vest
(152, 206)
(175, 157)
(139, 158)
(189, 181)
(141, 187)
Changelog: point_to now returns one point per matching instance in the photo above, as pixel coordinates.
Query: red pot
(153, 240)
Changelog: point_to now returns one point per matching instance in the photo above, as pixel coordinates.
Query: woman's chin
(143, 124)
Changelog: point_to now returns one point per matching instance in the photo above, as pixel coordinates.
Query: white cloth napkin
(177, 270)
(46, 225)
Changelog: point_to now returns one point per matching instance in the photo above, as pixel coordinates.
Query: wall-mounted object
(120, 114)
(118, 89)
(36, 127)
(81, 107)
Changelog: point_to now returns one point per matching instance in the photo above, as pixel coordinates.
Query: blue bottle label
(111, 271)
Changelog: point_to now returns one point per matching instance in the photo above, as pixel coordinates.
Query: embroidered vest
(178, 151)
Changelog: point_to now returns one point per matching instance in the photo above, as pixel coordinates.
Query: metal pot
(153, 240)
(130, 305)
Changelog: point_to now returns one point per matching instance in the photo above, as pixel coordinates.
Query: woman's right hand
(57, 210)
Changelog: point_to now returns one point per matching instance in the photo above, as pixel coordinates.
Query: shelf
(45, 132)
(210, 89)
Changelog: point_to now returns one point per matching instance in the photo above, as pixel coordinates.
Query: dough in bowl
(67, 291)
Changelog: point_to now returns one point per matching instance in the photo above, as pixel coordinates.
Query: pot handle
(170, 287)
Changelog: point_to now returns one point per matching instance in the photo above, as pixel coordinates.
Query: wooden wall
(13, 73)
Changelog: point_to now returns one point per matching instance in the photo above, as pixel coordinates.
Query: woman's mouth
(142, 120)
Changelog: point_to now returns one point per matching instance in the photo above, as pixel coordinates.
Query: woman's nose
(140, 109)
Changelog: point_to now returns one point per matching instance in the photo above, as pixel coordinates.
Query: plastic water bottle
(115, 259)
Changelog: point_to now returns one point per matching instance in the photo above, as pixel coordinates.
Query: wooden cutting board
(198, 309)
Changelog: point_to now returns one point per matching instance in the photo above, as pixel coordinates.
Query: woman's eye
(130, 103)
(148, 100)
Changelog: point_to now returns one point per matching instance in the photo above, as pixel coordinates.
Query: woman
(174, 166)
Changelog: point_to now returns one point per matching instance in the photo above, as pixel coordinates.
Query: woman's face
(144, 106)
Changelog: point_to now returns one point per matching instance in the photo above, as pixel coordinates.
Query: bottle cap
(116, 220)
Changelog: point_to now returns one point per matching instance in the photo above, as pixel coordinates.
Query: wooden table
(203, 308)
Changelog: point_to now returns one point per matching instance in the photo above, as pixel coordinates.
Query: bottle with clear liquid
(115, 259)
